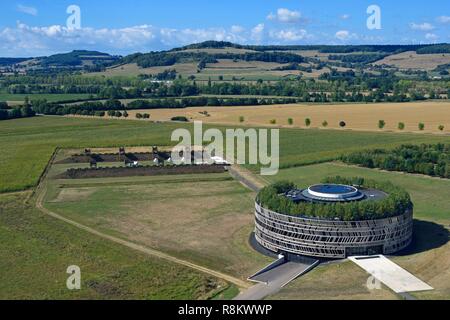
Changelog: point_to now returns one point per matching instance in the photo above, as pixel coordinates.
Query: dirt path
(41, 192)
(248, 178)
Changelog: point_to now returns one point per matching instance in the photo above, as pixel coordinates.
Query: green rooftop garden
(396, 203)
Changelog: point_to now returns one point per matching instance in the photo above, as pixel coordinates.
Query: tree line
(428, 159)
(97, 108)
(7, 113)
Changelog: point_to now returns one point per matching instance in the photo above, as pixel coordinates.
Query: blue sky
(33, 28)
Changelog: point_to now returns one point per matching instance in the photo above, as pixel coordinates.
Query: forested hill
(420, 48)
(211, 51)
(77, 59)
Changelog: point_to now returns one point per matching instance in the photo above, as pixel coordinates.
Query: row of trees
(205, 101)
(92, 107)
(401, 125)
(7, 113)
(429, 159)
(396, 203)
(337, 86)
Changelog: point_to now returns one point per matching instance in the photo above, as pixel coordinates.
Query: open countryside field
(36, 251)
(28, 144)
(138, 211)
(205, 219)
(412, 60)
(357, 116)
(428, 259)
(229, 69)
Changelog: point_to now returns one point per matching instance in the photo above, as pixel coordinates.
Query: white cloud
(431, 37)
(444, 19)
(345, 35)
(285, 16)
(421, 26)
(237, 29)
(24, 40)
(289, 35)
(257, 32)
(345, 17)
(28, 10)
(176, 37)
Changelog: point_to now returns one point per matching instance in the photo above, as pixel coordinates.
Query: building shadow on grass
(427, 235)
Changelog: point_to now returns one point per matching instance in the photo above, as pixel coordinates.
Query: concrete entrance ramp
(275, 276)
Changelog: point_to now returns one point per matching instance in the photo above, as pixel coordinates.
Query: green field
(36, 250)
(27, 144)
(46, 96)
(428, 259)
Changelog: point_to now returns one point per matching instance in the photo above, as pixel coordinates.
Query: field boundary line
(41, 192)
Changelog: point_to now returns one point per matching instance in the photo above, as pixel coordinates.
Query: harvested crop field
(356, 116)
(412, 60)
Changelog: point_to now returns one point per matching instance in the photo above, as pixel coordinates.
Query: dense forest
(432, 160)
(396, 203)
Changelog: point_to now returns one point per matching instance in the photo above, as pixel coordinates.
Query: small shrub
(146, 116)
(307, 122)
(290, 121)
(180, 118)
(441, 128)
(325, 124)
(401, 126)
(138, 116)
(241, 119)
(421, 126)
(273, 121)
(125, 114)
(381, 124)
(118, 114)
(342, 124)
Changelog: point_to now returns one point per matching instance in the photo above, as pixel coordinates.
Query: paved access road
(273, 280)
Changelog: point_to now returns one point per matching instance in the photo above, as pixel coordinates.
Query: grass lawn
(206, 218)
(428, 258)
(27, 144)
(36, 250)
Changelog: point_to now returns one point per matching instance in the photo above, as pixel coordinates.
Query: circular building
(338, 220)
